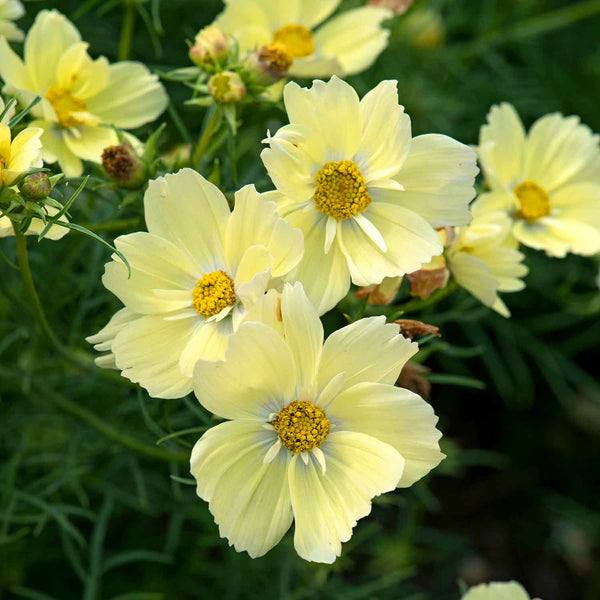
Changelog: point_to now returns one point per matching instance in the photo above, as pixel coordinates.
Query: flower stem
(127, 30)
(87, 416)
(418, 303)
(211, 128)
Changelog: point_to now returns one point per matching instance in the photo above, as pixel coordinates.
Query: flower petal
(328, 505)
(395, 416)
(358, 51)
(190, 212)
(208, 342)
(89, 141)
(474, 275)
(256, 378)
(156, 264)
(438, 177)
(386, 133)
(368, 350)
(509, 590)
(254, 221)
(249, 499)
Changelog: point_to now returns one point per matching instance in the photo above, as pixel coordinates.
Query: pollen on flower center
(213, 292)
(65, 106)
(301, 426)
(341, 190)
(533, 201)
(297, 39)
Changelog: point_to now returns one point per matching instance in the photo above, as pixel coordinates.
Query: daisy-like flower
(511, 590)
(367, 197)
(483, 259)
(81, 97)
(315, 431)
(194, 276)
(547, 181)
(11, 10)
(347, 44)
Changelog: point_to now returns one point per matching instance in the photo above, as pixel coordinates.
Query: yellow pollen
(533, 201)
(297, 39)
(65, 105)
(213, 292)
(301, 426)
(341, 190)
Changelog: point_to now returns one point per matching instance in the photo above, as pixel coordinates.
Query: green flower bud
(36, 186)
(226, 87)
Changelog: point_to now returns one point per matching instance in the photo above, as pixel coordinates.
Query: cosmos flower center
(66, 106)
(276, 58)
(533, 201)
(213, 292)
(297, 39)
(301, 426)
(341, 190)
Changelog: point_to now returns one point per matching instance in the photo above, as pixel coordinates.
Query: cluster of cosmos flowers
(226, 303)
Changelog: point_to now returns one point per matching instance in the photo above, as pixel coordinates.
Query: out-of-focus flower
(382, 293)
(398, 7)
(511, 590)
(483, 259)
(19, 154)
(315, 430)
(423, 28)
(81, 97)
(547, 181)
(367, 197)
(124, 166)
(210, 44)
(11, 10)
(226, 87)
(348, 43)
(193, 278)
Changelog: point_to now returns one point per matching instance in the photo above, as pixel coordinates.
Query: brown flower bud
(124, 166)
(410, 328)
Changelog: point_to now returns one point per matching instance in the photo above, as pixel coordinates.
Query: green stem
(87, 416)
(419, 303)
(127, 30)
(211, 128)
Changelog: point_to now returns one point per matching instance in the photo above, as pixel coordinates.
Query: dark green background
(82, 516)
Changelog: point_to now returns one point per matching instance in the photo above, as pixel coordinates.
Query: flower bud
(124, 166)
(271, 63)
(211, 43)
(36, 186)
(226, 87)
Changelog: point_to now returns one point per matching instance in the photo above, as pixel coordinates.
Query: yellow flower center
(533, 201)
(341, 190)
(297, 39)
(65, 106)
(301, 426)
(275, 58)
(213, 292)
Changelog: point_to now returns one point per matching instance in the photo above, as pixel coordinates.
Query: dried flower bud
(410, 328)
(381, 294)
(226, 87)
(411, 378)
(271, 62)
(211, 43)
(399, 7)
(124, 166)
(36, 186)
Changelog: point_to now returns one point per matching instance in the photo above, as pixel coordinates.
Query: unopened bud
(36, 186)
(124, 166)
(226, 87)
(211, 43)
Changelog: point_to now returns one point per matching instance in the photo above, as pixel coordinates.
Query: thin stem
(127, 30)
(419, 303)
(211, 128)
(87, 416)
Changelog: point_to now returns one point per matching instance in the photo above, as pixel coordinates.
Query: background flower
(11, 10)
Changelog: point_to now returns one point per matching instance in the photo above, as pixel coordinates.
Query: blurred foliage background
(91, 507)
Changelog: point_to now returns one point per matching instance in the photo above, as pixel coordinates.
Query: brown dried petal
(411, 378)
(426, 281)
(410, 328)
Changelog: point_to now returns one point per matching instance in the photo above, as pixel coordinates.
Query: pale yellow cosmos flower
(346, 44)
(315, 430)
(367, 196)
(483, 259)
(81, 97)
(546, 180)
(194, 276)
(11, 10)
(510, 590)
